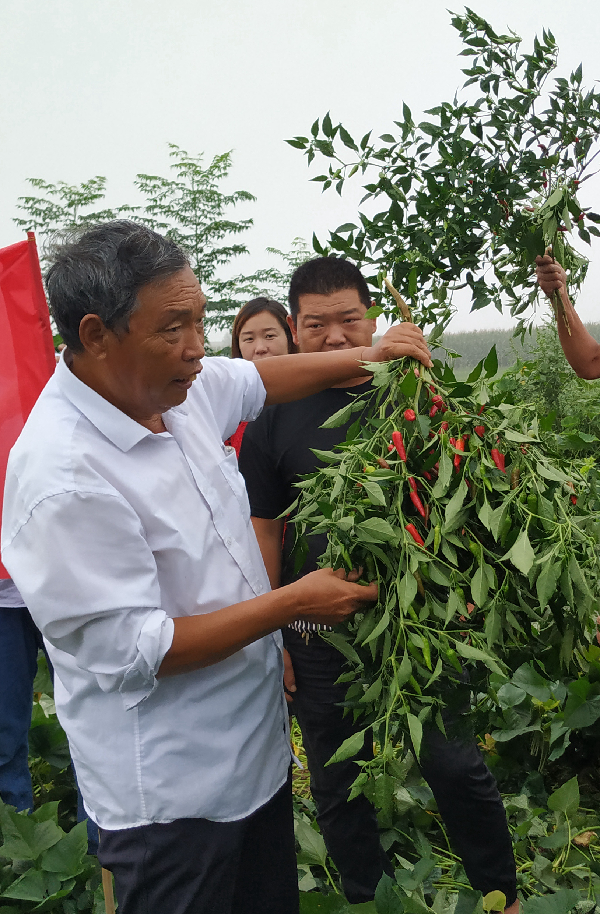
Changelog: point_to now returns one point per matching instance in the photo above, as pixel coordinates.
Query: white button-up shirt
(110, 532)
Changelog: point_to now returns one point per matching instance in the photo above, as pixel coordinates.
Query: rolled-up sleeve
(89, 579)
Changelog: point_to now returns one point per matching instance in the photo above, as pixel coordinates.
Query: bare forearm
(322, 596)
(293, 377)
(269, 534)
(200, 641)
(580, 348)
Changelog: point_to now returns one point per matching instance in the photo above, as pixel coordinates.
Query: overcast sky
(99, 87)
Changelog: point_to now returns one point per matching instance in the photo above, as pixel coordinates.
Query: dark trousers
(194, 866)
(464, 789)
(20, 641)
(19, 644)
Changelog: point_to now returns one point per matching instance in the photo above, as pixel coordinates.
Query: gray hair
(101, 272)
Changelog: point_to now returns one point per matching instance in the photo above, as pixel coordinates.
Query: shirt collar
(112, 422)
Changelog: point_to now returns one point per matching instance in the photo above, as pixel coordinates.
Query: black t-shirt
(276, 452)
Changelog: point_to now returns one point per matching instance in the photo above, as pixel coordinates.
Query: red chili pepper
(439, 401)
(412, 483)
(453, 442)
(410, 528)
(390, 447)
(460, 446)
(427, 475)
(433, 411)
(444, 426)
(481, 409)
(479, 430)
(498, 459)
(417, 503)
(383, 463)
(398, 443)
(574, 499)
(410, 415)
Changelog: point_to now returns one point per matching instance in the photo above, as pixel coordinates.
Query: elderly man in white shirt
(126, 527)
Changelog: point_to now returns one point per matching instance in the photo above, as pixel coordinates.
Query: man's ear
(292, 327)
(94, 336)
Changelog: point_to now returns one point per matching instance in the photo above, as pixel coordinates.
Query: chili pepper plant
(484, 547)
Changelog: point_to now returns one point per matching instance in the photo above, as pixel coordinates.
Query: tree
(190, 208)
(471, 196)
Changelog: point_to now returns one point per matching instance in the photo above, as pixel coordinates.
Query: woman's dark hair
(101, 271)
(257, 306)
(324, 276)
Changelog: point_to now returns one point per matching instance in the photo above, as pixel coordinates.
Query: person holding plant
(328, 302)
(126, 527)
(582, 351)
(260, 330)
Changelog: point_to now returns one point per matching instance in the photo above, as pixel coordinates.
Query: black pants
(464, 788)
(194, 866)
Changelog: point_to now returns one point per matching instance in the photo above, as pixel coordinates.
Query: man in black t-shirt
(328, 301)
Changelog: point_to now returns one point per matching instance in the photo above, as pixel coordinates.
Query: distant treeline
(474, 345)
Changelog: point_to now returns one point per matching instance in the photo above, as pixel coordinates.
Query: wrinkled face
(262, 336)
(152, 367)
(329, 322)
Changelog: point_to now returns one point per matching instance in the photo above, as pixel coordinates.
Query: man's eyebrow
(312, 317)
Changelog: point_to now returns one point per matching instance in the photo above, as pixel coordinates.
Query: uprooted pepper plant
(480, 528)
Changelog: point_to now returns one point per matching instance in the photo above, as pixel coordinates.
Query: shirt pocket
(235, 481)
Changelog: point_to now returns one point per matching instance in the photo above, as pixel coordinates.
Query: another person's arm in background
(269, 534)
(580, 348)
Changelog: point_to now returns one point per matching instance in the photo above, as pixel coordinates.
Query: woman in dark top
(259, 331)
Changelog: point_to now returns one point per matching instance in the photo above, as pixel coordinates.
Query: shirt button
(228, 541)
(259, 588)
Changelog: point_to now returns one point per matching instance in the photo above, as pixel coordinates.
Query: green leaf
(387, 900)
(343, 415)
(379, 628)
(34, 885)
(403, 672)
(577, 577)
(511, 435)
(455, 504)
(530, 681)
(455, 607)
(560, 902)
(475, 653)
(407, 590)
(445, 475)
(490, 364)
(349, 748)
(376, 530)
(24, 838)
(67, 856)
(479, 587)
(522, 555)
(494, 901)
(415, 728)
(340, 641)
(374, 492)
(565, 799)
(485, 515)
(547, 581)
(551, 473)
(311, 842)
(373, 312)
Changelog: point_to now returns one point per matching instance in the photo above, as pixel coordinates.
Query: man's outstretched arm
(293, 377)
(580, 347)
(325, 596)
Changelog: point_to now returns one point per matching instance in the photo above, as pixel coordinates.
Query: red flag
(27, 357)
